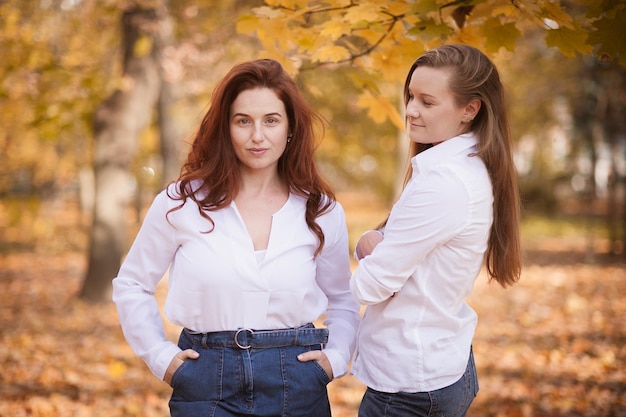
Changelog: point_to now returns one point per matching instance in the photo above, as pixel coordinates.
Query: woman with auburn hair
(257, 250)
(459, 208)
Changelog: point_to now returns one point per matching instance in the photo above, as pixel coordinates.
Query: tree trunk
(168, 126)
(118, 122)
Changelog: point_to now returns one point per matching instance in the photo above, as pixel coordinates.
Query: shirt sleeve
(333, 275)
(133, 289)
(428, 213)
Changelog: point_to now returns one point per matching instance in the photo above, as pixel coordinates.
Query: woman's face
(432, 113)
(258, 129)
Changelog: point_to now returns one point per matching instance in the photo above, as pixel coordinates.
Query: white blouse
(419, 339)
(218, 282)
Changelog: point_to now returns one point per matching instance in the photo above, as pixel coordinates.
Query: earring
(289, 138)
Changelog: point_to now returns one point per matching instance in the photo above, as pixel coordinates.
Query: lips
(257, 151)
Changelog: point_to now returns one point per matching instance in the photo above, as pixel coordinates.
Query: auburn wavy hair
(474, 76)
(211, 174)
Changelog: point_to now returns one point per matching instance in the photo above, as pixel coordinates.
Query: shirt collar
(424, 161)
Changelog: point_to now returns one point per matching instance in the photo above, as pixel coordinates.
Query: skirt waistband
(261, 339)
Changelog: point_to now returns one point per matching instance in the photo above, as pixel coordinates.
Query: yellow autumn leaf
(471, 35)
(364, 12)
(247, 24)
(117, 368)
(330, 53)
(334, 28)
(426, 8)
(610, 34)
(379, 109)
(554, 11)
(569, 42)
(429, 29)
(143, 46)
(499, 35)
(506, 10)
(393, 65)
(306, 43)
(371, 35)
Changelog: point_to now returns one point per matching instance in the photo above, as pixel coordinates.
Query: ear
(471, 110)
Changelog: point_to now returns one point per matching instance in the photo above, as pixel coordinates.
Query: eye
(271, 121)
(242, 122)
(427, 103)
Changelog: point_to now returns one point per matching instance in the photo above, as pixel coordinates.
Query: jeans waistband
(259, 339)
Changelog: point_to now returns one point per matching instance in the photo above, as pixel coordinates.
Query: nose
(412, 110)
(257, 133)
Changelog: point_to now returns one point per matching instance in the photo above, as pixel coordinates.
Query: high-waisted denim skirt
(251, 373)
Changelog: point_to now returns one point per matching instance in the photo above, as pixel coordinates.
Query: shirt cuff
(337, 363)
(162, 359)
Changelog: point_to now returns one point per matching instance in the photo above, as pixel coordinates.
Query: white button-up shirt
(217, 282)
(434, 243)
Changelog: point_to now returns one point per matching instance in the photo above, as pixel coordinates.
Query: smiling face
(258, 129)
(432, 113)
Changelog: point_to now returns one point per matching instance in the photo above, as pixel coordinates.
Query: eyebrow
(426, 95)
(274, 114)
(421, 94)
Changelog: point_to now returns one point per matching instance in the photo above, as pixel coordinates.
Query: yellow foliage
(117, 369)
(143, 46)
(568, 41)
(554, 11)
(290, 4)
(393, 65)
(507, 10)
(610, 33)
(379, 108)
(470, 35)
(334, 28)
(507, 35)
(489, 25)
(247, 24)
(426, 8)
(364, 12)
(330, 53)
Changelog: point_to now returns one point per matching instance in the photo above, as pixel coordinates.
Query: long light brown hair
(212, 161)
(474, 76)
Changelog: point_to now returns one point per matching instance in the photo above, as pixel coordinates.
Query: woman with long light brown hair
(458, 210)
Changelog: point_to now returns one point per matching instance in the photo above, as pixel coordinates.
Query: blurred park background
(98, 100)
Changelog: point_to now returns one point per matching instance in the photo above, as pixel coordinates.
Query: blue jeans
(244, 379)
(451, 401)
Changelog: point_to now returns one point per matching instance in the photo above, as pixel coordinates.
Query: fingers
(177, 361)
(320, 357)
(313, 355)
(188, 354)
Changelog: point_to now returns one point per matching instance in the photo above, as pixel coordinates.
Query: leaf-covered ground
(553, 345)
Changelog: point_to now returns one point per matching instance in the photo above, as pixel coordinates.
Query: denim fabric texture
(229, 381)
(451, 401)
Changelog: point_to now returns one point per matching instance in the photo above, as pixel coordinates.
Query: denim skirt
(251, 373)
(451, 401)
